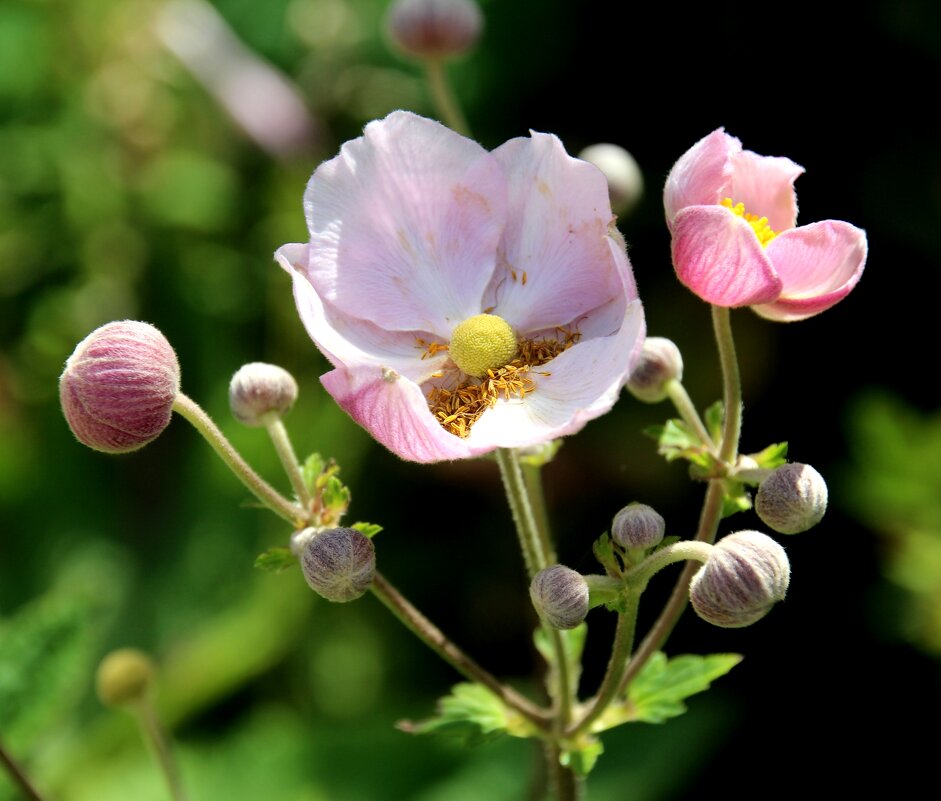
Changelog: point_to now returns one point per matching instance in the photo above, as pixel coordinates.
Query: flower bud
(659, 362)
(124, 676)
(638, 526)
(259, 389)
(746, 574)
(560, 596)
(339, 564)
(625, 180)
(434, 28)
(792, 499)
(118, 386)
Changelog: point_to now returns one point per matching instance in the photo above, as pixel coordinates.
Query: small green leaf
(369, 529)
(771, 457)
(582, 759)
(714, 419)
(604, 552)
(313, 467)
(540, 455)
(336, 495)
(676, 440)
(274, 560)
(736, 499)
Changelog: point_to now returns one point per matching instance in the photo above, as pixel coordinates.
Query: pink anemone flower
(467, 300)
(733, 214)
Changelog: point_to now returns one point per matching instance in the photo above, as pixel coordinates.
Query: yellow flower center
(481, 343)
(759, 224)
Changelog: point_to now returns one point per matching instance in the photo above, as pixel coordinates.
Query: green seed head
(481, 343)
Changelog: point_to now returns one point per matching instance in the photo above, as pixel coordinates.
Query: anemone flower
(467, 300)
(733, 214)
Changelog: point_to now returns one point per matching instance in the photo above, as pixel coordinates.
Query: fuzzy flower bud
(625, 180)
(560, 596)
(339, 564)
(638, 526)
(792, 499)
(124, 676)
(746, 574)
(259, 389)
(660, 361)
(118, 386)
(435, 28)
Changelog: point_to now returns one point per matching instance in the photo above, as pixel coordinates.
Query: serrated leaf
(603, 549)
(369, 529)
(582, 759)
(472, 714)
(275, 560)
(771, 457)
(311, 470)
(336, 495)
(714, 419)
(573, 645)
(735, 499)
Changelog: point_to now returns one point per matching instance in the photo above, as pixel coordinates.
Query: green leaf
(604, 552)
(659, 690)
(540, 455)
(736, 498)
(311, 470)
(676, 440)
(369, 529)
(771, 457)
(472, 714)
(582, 759)
(275, 560)
(336, 495)
(714, 419)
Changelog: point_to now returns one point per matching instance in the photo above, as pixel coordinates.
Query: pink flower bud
(339, 564)
(638, 526)
(259, 389)
(435, 28)
(118, 387)
(660, 361)
(746, 574)
(560, 596)
(792, 499)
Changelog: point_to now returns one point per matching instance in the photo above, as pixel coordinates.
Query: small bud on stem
(792, 499)
(124, 676)
(434, 29)
(258, 390)
(660, 361)
(638, 526)
(560, 596)
(339, 564)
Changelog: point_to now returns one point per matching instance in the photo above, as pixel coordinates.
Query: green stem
(18, 775)
(260, 488)
(684, 405)
(692, 550)
(731, 384)
(435, 639)
(566, 786)
(532, 476)
(527, 528)
(282, 444)
(154, 735)
(444, 100)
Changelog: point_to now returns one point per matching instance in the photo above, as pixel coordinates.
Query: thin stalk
(18, 775)
(532, 475)
(684, 405)
(282, 444)
(260, 488)
(527, 528)
(435, 639)
(566, 786)
(444, 100)
(154, 735)
(731, 384)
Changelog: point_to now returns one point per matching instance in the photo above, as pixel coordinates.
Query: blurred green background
(128, 190)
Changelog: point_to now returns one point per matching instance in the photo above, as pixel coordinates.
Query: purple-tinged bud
(625, 180)
(638, 526)
(434, 29)
(746, 574)
(339, 564)
(792, 499)
(660, 361)
(560, 596)
(118, 386)
(124, 676)
(258, 390)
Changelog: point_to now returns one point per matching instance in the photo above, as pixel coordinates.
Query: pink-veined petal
(819, 265)
(348, 341)
(717, 255)
(395, 412)
(556, 237)
(765, 184)
(703, 174)
(404, 225)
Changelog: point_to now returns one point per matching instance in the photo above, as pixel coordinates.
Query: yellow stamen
(759, 224)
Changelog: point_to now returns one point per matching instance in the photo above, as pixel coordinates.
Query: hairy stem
(687, 410)
(282, 444)
(18, 775)
(444, 100)
(731, 384)
(154, 735)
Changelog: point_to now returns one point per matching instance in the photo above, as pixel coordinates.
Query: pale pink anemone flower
(733, 215)
(415, 229)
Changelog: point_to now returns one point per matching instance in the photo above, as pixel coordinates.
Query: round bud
(746, 574)
(660, 361)
(625, 180)
(434, 28)
(339, 564)
(792, 499)
(260, 389)
(123, 677)
(638, 526)
(560, 596)
(118, 386)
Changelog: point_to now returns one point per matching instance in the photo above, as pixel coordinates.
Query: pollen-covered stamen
(760, 225)
(482, 343)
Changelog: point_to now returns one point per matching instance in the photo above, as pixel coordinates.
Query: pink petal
(347, 341)
(558, 214)
(717, 255)
(395, 412)
(404, 225)
(819, 265)
(765, 184)
(703, 174)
